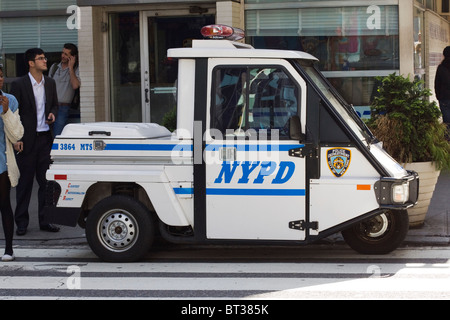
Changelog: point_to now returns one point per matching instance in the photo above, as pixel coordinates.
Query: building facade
(24, 24)
(126, 75)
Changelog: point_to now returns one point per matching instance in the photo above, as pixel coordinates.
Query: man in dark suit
(38, 104)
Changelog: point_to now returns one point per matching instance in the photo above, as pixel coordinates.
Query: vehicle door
(255, 186)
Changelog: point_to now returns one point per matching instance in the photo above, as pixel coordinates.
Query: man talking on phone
(38, 105)
(67, 78)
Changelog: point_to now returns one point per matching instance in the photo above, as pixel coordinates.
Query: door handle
(146, 96)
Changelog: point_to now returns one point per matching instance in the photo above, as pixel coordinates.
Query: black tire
(380, 234)
(120, 229)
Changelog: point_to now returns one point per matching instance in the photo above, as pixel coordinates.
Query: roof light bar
(220, 31)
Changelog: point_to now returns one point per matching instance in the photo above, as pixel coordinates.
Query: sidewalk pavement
(435, 231)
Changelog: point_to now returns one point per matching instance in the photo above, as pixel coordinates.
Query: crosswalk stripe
(328, 283)
(77, 273)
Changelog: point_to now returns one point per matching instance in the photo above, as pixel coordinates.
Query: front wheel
(380, 234)
(119, 229)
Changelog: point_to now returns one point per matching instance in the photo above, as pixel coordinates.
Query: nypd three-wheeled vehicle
(265, 151)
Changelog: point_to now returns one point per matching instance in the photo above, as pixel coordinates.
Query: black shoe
(50, 228)
(21, 232)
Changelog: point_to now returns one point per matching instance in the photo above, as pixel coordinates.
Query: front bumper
(385, 186)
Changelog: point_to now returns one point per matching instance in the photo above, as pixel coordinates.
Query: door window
(125, 69)
(254, 100)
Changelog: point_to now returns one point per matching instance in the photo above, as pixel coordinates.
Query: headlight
(397, 193)
(400, 192)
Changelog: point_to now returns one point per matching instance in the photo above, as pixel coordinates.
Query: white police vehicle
(265, 152)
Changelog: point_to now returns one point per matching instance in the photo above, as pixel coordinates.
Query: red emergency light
(220, 31)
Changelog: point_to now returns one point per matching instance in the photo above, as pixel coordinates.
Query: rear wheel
(119, 229)
(380, 234)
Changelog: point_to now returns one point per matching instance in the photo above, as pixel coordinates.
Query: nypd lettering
(338, 160)
(260, 171)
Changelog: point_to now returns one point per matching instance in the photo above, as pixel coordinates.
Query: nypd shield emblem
(338, 160)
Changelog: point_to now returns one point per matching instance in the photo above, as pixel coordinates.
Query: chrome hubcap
(118, 230)
(377, 226)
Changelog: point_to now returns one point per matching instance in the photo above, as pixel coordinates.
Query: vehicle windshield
(346, 111)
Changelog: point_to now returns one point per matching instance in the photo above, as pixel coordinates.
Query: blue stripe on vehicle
(244, 192)
(184, 147)
(255, 192)
(183, 190)
(254, 147)
(209, 147)
(148, 147)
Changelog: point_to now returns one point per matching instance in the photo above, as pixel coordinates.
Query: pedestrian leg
(6, 211)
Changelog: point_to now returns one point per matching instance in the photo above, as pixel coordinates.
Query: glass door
(159, 73)
(125, 67)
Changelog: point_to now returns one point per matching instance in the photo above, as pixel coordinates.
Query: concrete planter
(428, 176)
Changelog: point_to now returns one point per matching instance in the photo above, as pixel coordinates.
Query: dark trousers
(445, 109)
(7, 213)
(34, 163)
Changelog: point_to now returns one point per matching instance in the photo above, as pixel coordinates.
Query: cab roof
(232, 49)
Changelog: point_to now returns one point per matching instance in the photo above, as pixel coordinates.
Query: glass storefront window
(418, 43)
(49, 33)
(343, 39)
(8, 5)
(339, 53)
(348, 41)
(370, 20)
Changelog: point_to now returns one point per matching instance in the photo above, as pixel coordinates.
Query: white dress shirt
(39, 97)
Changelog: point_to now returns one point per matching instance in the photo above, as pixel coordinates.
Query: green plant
(407, 123)
(170, 120)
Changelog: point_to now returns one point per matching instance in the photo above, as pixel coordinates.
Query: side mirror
(295, 129)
